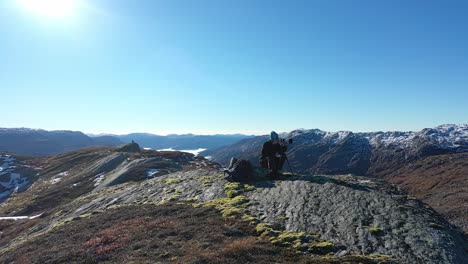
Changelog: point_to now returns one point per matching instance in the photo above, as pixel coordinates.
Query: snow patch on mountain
(449, 136)
(10, 180)
(401, 139)
(99, 178)
(58, 177)
(445, 136)
(336, 137)
(151, 172)
(306, 135)
(20, 217)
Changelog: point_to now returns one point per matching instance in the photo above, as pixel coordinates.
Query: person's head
(274, 137)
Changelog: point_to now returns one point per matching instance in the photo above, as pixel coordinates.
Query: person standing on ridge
(273, 155)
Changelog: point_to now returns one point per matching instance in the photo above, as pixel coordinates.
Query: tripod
(287, 160)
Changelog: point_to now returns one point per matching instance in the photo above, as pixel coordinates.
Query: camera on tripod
(286, 141)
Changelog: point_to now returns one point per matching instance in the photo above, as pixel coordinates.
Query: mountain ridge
(40, 142)
(329, 219)
(429, 141)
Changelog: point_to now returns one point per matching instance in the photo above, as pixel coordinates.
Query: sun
(51, 9)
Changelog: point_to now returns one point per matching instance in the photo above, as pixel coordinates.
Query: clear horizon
(223, 67)
(230, 133)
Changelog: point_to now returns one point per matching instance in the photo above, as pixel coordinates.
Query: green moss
(173, 180)
(262, 227)
(323, 244)
(281, 217)
(375, 230)
(379, 257)
(232, 193)
(116, 206)
(249, 219)
(229, 207)
(176, 195)
(207, 181)
(208, 178)
(191, 200)
(234, 189)
(323, 247)
(288, 239)
(235, 203)
(296, 240)
(169, 191)
(61, 223)
(232, 186)
(238, 187)
(86, 215)
(57, 214)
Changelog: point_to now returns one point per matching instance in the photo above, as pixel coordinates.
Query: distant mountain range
(37, 142)
(315, 151)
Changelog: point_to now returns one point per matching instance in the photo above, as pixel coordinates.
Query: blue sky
(215, 66)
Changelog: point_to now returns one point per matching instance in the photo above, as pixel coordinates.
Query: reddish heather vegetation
(152, 234)
(440, 181)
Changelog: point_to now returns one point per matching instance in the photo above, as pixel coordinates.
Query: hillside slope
(323, 218)
(440, 181)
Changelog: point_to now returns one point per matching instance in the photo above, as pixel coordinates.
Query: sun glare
(51, 9)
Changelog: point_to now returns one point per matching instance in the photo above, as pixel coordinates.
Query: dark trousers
(275, 164)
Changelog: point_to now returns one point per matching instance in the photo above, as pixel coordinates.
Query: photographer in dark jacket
(273, 154)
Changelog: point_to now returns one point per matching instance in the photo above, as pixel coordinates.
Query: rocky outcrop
(130, 147)
(359, 216)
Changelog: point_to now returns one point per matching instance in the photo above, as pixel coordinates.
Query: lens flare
(51, 9)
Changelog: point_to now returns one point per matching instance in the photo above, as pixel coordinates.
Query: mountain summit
(102, 204)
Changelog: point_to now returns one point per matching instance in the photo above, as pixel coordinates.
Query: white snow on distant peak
(336, 137)
(444, 136)
(151, 172)
(99, 178)
(449, 136)
(302, 131)
(402, 139)
(65, 173)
